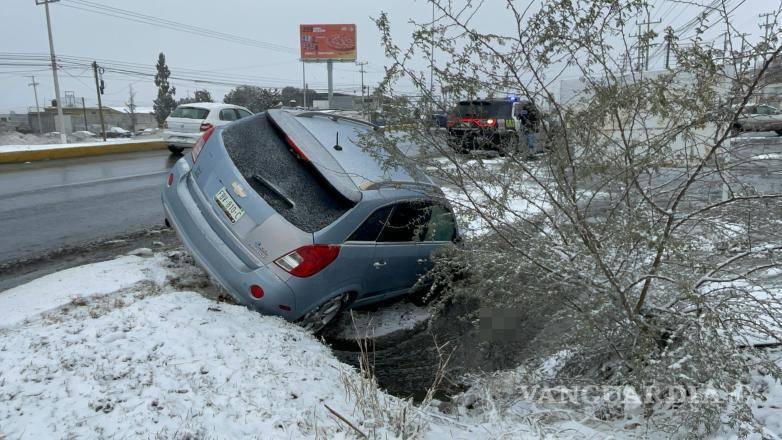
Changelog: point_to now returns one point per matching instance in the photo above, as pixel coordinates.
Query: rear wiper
(276, 190)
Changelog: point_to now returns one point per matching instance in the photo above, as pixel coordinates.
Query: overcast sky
(79, 33)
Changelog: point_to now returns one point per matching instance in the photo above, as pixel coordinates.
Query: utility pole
(361, 65)
(84, 110)
(766, 27)
(60, 117)
(643, 49)
(99, 90)
(132, 110)
(37, 109)
(669, 37)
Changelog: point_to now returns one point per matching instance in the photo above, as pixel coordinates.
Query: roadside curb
(87, 150)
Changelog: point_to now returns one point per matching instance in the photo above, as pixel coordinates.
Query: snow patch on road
(58, 289)
(25, 147)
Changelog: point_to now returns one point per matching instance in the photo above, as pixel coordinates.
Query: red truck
(487, 124)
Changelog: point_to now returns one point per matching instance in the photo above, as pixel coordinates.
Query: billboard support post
(303, 85)
(330, 69)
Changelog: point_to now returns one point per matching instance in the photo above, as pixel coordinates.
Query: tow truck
(485, 124)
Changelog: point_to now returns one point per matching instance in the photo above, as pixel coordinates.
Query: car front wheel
(317, 319)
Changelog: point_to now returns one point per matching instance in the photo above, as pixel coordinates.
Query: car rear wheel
(325, 313)
(175, 150)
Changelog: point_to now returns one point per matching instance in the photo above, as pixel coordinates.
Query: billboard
(323, 42)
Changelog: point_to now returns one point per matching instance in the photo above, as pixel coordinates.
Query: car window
(441, 225)
(407, 222)
(370, 229)
(243, 113)
(190, 112)
(767, 110)
(228, 114)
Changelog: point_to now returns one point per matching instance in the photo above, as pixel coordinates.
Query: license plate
(229, 206)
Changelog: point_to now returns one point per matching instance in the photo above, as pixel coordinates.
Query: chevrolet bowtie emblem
(238, 189)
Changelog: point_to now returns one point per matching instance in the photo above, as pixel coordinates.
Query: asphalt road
(45, 206)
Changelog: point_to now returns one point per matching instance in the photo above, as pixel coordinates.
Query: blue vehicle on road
(288, 213)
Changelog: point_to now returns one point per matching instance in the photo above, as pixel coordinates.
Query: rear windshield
(190, 113)
(483, 109)
(291, 186)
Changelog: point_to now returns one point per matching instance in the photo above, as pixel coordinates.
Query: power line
(123, 14)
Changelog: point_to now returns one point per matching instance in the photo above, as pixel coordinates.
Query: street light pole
(37, 108)
(60, 118)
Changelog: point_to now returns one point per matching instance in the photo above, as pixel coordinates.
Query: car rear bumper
(217, 258)
(181, 139)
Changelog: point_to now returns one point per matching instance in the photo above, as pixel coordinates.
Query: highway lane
(45, 206)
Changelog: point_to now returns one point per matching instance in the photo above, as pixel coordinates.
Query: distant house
(79, 118)
(14, 121)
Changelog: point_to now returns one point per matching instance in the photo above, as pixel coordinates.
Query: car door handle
(379, 264)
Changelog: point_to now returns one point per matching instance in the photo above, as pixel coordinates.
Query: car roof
(351, 169)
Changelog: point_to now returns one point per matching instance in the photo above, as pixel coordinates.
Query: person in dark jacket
(528, 118)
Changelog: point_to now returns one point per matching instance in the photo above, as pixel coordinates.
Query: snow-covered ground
(123, 349)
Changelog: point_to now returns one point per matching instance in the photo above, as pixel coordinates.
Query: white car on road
(185, 125)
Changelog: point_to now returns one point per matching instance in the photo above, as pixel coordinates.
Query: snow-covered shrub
(637, 233)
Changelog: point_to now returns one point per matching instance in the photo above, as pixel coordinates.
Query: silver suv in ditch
(293, 218)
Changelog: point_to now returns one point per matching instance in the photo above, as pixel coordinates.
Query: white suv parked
(185, 125)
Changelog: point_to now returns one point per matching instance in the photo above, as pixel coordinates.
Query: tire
(736, 130)
(175, 150)
(321, 316)
(778, 132)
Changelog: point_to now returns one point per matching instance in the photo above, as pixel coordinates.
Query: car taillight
(199, 145)
(490, 122)
(256, 291)
(308, 260)
(205, 126)
(170, 179)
